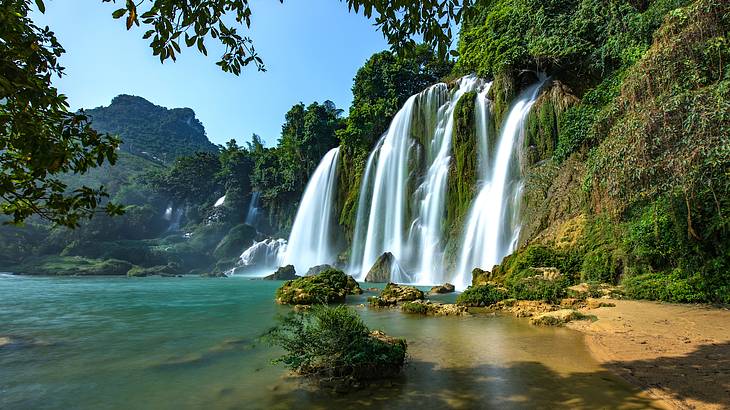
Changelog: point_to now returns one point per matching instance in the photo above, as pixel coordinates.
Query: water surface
(180, 343)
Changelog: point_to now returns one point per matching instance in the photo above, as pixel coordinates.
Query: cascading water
(392, 215)
(219, 202)
(311, 240)
(492, 227)
(265, 254)
(252, 215)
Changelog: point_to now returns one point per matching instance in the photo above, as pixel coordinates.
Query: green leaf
(41, 6)
(119, 13)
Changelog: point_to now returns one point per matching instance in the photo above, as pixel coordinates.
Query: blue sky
(312, 50)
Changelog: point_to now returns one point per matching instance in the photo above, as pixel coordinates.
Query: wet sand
(679, 354)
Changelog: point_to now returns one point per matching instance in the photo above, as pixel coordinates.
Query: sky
(312, 50)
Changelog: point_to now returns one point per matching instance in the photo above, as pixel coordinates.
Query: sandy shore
(679, 354)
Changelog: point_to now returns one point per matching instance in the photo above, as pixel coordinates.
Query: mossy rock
(73, 266)
(428, 308)
(557, 318)
(235, 241)
(283, 273)
(171, 269)
(329, 286)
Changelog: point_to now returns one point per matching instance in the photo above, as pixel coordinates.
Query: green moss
(236, 241)
(415, 308)
(463, 168)
(329, 286)
(482, 295)
(72, 266)
(501, 93)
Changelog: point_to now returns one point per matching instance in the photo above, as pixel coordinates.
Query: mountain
(150, 130)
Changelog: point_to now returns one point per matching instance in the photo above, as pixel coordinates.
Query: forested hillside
(152, 131)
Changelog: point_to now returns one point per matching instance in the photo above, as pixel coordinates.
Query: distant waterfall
(492, 227)
(403, 191)
(311, 239)
(254, 214)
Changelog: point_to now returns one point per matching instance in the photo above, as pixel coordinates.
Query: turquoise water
(179, 343)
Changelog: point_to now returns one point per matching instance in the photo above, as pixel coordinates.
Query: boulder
(434, 309)
(385, 269)
(315, 270)
(393, 293)
(597, 303)
(546, 273)
(445, 288)
(283, 273)
(556, 318)
(329, 286)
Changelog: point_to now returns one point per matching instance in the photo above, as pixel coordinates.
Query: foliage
(538, 288)
(380, 89)
(238, 238)
(328, 286)
(40, 139)
(151, 131)
(668, 288)
(169, 24)
(73, 266)
(482, 295)
(334, 342)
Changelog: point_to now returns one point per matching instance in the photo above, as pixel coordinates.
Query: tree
(381, 87)
(39, 138)
(170, 24)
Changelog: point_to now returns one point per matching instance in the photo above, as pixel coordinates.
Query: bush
(334, 342)
(483, 295)
(600, 266)
(538, 288)
(235, 241)
(330, 285)
(667, 288)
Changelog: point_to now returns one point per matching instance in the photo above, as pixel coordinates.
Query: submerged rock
(283, 273)
(557, 318)
(441, 289)
(597, 303)
(385, 269)
(393, 293)
(329, 286)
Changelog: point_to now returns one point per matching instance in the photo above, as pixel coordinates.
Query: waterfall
(492, 227)
(219, 202)
(266, 254)
(403, 191)
(173, 216)
(311, 239)
(253, 209)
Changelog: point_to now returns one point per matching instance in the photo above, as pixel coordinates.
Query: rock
(171, 269)
(434, 309)
(579, 291)
(283, 273)
(385, 269)
(571, 303)
(329, 286)
(393, 293)
(445, 288)
(551, 274)
(556, 318)
(315, 270)
(373, 290)
(480, 277)
(525, 308)
(596, 303)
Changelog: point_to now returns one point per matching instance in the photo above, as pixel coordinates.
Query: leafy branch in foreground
(170, 24)
(333, 342)
(39, 138)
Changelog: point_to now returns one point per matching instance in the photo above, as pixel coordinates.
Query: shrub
(538, 288)
(417, 308)
(483, 295)
(600, 266)
(334, 342)
(665, 287)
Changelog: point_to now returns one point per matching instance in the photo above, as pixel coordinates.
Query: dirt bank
(677, 353)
